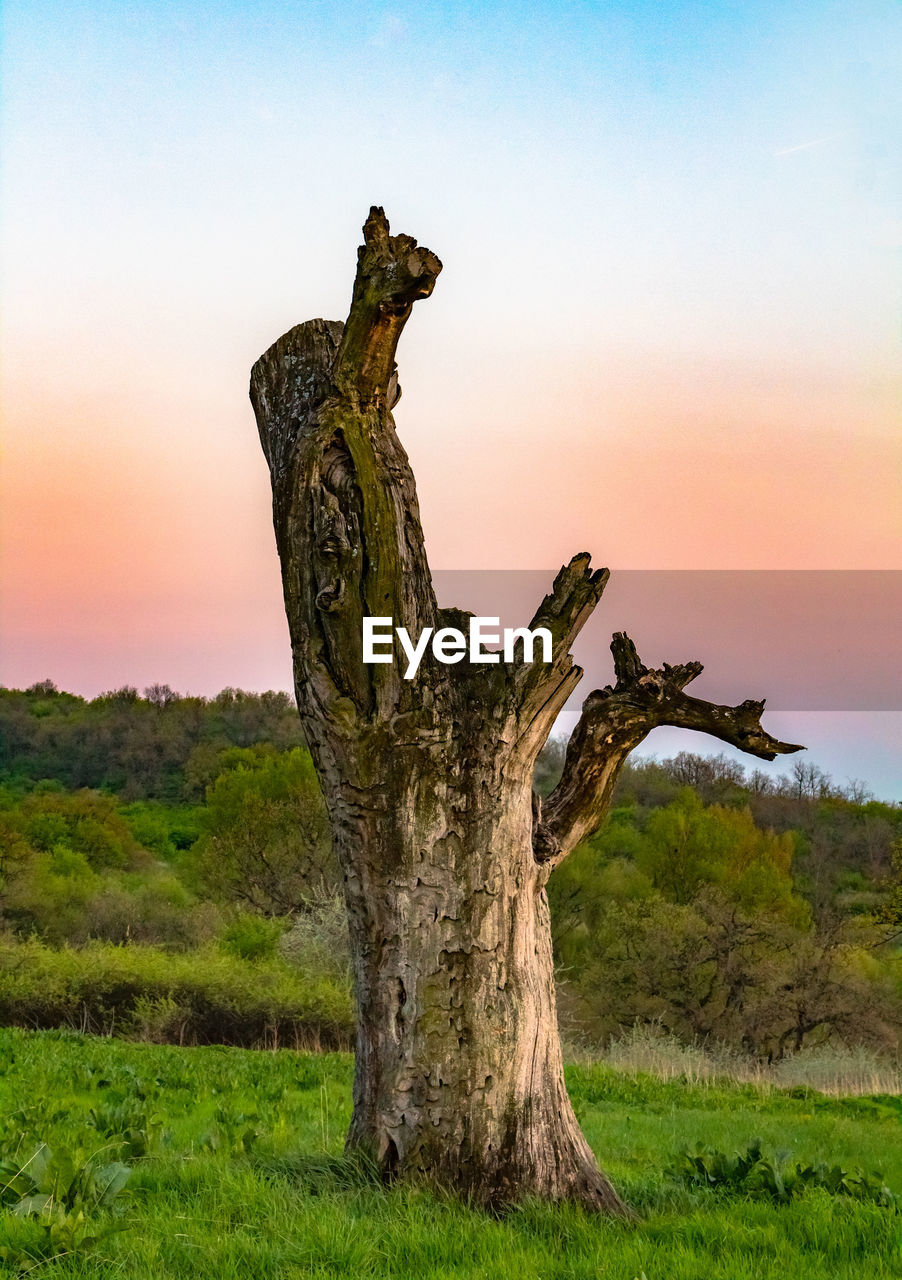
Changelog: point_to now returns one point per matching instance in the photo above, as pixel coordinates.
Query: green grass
(238, 1174)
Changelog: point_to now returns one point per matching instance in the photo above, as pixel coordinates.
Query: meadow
(153, 1161)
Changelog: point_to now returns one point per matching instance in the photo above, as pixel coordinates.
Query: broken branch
(616, 719)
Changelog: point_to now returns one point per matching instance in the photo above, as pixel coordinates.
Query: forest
(718, 909)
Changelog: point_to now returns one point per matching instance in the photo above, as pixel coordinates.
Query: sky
(667, 330)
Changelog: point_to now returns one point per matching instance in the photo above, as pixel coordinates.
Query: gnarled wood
(616, 719)
(444, 849)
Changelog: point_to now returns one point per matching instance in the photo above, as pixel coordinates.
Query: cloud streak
(815, 142)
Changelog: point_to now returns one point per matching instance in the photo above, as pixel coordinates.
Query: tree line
(161, 746)
(726, 906)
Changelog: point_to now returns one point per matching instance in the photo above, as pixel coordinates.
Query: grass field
(236, 1171)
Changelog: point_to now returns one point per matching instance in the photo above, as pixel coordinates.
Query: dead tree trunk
(444, 848)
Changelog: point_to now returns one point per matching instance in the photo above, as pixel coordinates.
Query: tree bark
(444, 848)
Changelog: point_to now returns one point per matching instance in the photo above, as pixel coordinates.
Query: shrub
(317, 941)
(159, 911)
(85, 821)
(200, 997)
(253, 937)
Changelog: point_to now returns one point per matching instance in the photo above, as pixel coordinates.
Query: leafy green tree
(48, 892)
(687, 916)
(688, 844)
(888, 915)
(265, 841)
(84, 821)
(601, 871)
(708, 971)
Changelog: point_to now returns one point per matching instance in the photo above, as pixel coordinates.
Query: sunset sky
(667, 330)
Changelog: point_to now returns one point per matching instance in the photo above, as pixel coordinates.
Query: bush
(253, 937)
(317, 941)
(201, 997)
(86, 822)
(160, 911)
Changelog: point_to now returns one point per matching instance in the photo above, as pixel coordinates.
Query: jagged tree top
(357, 548)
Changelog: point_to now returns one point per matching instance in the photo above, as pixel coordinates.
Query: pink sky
(666, 332)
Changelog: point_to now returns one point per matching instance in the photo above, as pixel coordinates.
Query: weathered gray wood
(444, 849)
